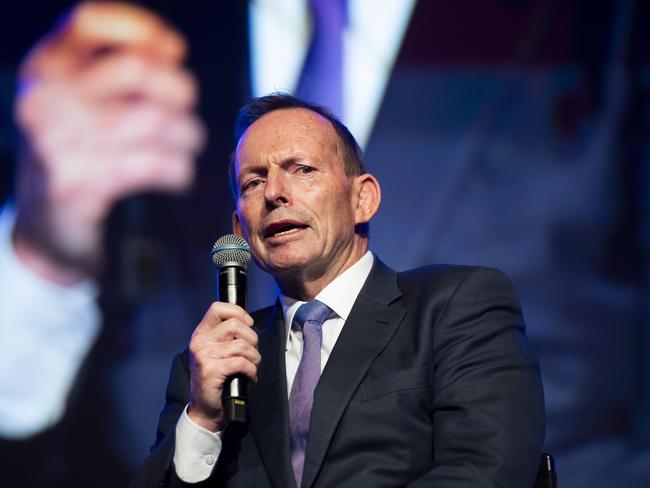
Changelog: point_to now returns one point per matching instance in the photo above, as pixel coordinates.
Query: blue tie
(310, 317)
(321, 81)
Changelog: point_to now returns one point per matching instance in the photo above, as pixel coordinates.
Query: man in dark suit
(426, 375)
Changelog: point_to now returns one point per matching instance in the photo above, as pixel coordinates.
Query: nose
(276, 190)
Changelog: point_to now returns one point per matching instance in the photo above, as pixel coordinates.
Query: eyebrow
(256, 169)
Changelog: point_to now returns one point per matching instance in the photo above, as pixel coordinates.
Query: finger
(144, 125)
(237, 365)
(146, 168)
(124, 24)
(123, 77)
(127, 75)
(184, 134)
(211, 372)
(222, 311)
(94, 28)
(108, 164)
(229, 349)
(54, 112)
(228, 330)
(149, 148)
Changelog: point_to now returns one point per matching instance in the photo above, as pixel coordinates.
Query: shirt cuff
(197, 450)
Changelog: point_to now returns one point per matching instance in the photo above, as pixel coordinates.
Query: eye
(305, 169)
(251, 184)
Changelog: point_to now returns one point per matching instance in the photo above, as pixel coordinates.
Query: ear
(368, 198)
(236, 224)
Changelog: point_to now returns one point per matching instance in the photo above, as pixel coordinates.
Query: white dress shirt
(280, 32)
(198, 449)
(46, 331)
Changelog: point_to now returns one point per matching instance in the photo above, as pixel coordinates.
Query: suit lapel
(268, 400)
(372, 322)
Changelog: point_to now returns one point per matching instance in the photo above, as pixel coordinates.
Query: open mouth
(283, 228)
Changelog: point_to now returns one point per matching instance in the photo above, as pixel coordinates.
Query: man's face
(295, 204)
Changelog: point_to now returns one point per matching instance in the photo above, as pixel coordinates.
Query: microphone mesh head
(231, 249)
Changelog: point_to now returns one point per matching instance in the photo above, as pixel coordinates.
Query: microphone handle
(232, 289)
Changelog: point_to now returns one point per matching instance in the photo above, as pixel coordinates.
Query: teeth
(288, 231)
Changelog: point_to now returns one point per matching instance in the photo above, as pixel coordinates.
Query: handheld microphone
(231, 254)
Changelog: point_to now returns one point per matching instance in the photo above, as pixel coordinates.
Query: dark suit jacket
(431, 382)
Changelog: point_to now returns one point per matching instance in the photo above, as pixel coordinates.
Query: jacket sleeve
(488, 411)
(157, 470)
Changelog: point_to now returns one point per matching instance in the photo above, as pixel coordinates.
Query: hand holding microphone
(223, 348)
(106, 111)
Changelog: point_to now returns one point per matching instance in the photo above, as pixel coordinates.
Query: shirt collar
(339, 295)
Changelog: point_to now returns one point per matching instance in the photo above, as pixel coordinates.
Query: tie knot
(315, 312)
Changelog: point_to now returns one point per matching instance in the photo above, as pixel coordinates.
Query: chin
(287, 263)
(291, 266)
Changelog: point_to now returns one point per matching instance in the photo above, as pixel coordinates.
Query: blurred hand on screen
(105, 109)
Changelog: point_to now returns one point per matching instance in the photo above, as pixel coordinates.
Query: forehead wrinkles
(287, 131)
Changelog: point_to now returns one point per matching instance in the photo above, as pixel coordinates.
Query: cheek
(244, 212)
(247, 225)
(342, 218)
